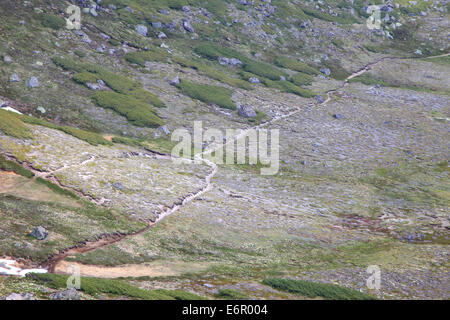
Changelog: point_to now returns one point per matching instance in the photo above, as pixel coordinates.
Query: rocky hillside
(87, 179)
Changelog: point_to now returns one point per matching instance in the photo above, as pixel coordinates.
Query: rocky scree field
(86, 172)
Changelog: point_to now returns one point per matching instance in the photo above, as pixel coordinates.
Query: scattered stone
(164, 130)
(229, 61)
(93, 12)
(325, 71)
(156, 25)
(3, 103)
(7, 59)
(246, 111)
(418, 52)
(142, 30)
(282, 78)
(69, 294)
(39, 233)
(186, 9)
(32, 82)
(118, 185)
(163, 11)
(337, 116)
(162, 35)
(17, 296)
(253, 80)
(319, 99)
(187, 26)
(175, 81)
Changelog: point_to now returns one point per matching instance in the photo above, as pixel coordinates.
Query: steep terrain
(85, 147)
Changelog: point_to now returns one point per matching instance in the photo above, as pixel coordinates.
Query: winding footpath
(53, 261)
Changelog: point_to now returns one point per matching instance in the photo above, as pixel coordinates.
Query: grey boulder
(39, 233)
(142, 30)
(32, 82)
(69, 294)
(246, 111)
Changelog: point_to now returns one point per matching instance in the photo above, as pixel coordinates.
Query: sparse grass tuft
(52, 21)
(11, 166)
(90, 137)
(95, 286)
(313, 290)
(57, 189)
(230, 294)
(295, 65)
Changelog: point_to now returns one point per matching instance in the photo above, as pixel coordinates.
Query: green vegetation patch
(301, 79)
(11, 125)
(289, 87)
(295, 65)
(90, 137)
(52, 21)
(141, 57)
(180, 294)
(313, 290)
(231, 294)
(95, 286)
(208, 94)
(85, 77)
(147, 97)
(136, 111)
(57, 189)
(11, 166)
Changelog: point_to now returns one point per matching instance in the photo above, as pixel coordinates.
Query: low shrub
(263, 69)
(52, 21)
(11, 166)
(141, 57)
(148, 97)
(208, 94)
(90, 137)
(289, 87)
(313, 289)
(180, 294)
(231, 294)
(11, 125)
(137, 112)
(95, 286)
(301, 79)
(85, 77)
(295, 65)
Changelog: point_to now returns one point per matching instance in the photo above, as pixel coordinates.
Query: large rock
(14, 78)
(253, 80)
(175, 81)
(246, 111)
(231, 61)
(39, 233)
(325, 71)
(142, 30)
(187, 26)
(69, 294)
(7, 59)
(32, 82)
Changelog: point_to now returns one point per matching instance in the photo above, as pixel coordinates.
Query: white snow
(8, 267)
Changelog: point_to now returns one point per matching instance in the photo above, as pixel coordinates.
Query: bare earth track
(55, 262)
